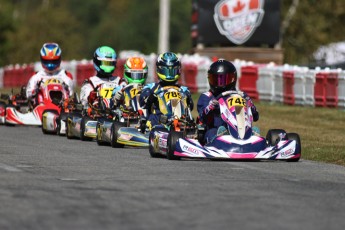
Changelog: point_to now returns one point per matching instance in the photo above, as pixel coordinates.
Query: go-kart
(126, 125)
(48, 96)
(236, 141)
(176, 121)
(82, 125)
(19, 101)
(54, 122)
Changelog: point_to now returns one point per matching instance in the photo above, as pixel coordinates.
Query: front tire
(172, 139)
(99, 140)
(44, 131)
(295, 137)
(84, 120)
(114, 134)
(152, 151)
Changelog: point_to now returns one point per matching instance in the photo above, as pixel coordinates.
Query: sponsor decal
(162, 143)
(287, 153)
(238, 19)
(190, 150)
(125, 137)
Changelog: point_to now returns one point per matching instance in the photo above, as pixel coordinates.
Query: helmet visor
(221, 79)
(169, 72)
(137, 74)
(51, 64)
(108, 66)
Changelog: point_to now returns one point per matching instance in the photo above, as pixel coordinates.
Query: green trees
(80, 26)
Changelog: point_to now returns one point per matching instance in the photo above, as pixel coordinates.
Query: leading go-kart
(48, 96)
(236, 141)
(176, 122)
(126, 125)
(82, 124)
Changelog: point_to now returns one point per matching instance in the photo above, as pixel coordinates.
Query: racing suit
(63, 75)
(148, 100)
(90, 84)
(210, 115)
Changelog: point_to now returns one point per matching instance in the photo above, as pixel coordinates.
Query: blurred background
(310, 30)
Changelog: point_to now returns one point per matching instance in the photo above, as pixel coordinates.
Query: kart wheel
(62, 117)
(83, 122)
(114, 134)
(272, 137)
(68, 133)
(99, 140)
(45, 122)
(172, 139)
(154, 154)
(295, 137)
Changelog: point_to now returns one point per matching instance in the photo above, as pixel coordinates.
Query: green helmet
(104, 60)
(135, 70)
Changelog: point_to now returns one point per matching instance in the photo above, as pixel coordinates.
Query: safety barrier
(291, 85)
(247, 82)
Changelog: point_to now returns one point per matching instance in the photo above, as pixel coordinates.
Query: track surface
(49, 182)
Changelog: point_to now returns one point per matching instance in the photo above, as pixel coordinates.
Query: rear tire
(272, 137)
(114, 134)
(84, 120)
(172, 139)
(154, 154)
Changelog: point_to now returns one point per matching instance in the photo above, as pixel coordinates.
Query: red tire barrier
(84, 71)
(288, 87)
(247, 82)
(320, 89)
(189, 79)
(332, 90)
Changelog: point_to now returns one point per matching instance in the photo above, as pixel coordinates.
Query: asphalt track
(50, 182)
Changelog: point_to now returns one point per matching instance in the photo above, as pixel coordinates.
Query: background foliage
(80, 26)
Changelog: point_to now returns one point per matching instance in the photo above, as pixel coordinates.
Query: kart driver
(50, 59)
(104, 62)
(135, 74)
(222, 77)
(168, 69)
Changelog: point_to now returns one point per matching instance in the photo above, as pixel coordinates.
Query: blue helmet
(168, 67)
(50, 56)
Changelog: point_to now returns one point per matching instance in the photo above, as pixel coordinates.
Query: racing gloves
(118, 97)
(212, 105)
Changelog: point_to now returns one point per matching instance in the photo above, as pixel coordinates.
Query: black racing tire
(62, 117)
(152, 152)
(114, 134)
(99, 140)
(272, 136)
(83, 122)
(295, 137)
(69, 119)
(50, 111)
(172, 139)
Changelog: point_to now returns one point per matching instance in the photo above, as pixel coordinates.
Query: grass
(322, 130)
